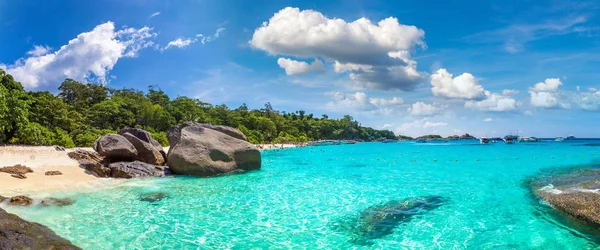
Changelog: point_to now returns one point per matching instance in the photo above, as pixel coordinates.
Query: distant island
(436, 137)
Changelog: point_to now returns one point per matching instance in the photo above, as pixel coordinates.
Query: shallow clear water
(313, 198)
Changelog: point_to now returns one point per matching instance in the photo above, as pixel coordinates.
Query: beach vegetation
(81, 112)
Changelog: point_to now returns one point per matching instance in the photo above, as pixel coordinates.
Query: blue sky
(414, 67)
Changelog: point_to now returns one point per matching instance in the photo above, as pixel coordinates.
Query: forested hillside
(80, 113)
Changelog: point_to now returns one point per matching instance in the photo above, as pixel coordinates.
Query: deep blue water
(367, 195)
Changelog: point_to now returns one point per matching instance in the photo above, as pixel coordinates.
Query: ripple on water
(299, 197)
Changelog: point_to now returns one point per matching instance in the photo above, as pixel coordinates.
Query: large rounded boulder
(207, 150)
(116, 147)
(149, 150)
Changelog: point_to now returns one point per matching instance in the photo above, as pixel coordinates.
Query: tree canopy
(81, 112)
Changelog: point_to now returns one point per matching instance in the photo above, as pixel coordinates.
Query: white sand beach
(40, 160)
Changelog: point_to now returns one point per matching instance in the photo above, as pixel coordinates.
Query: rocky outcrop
(92, 162)
(115, 147)
(147, 152)
(57, 202)
(197, 149)
(53, 173)
(16, 233)
(20, 201)
(135, 169)
(16, 169)
(2, 198)
(145, 136)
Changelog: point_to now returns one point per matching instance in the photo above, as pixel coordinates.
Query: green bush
(161, 137)
(61, 138)
(33, 134)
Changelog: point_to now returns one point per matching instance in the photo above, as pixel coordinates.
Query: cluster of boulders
(196, 149)
(17, 171)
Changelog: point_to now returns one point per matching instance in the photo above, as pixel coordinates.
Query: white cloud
(376, 55)
(360, 101)
(546, 95)
(182, 42)
(382, 102)
(494, 102)
(421, 108)
(154, 14)
(293, 67)
(464, 86)
(39, 50)
(179, 43)
(510, 92)
(434, 124)
(91, 55)
(488, 119)
(588, 100)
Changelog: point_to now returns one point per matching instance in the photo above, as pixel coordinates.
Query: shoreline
(46, 158)
(41, 159)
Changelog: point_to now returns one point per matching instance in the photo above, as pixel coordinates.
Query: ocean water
(362, 196)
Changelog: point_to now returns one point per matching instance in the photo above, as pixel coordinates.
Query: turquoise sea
(321, 198)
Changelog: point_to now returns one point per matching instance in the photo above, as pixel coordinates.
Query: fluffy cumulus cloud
(464, 86)
(39, 50)
(360, 101)
(182, 42)
(494, 102)
(419, 127)
(423, 109)
(293, 67)
(91, 55)
(376, 55)
(547, 95)
(488, 119)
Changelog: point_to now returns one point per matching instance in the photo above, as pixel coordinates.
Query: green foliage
(160, 137)
(34, 134)
(81, 113)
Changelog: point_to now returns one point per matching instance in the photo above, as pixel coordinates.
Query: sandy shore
(42, 159)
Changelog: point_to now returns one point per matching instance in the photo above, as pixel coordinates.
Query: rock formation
(206, 150)
(16, 233)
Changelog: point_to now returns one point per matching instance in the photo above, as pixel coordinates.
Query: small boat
(529, 139)
(484, 140)
(389, 141)
(324, 143)
(559, 139)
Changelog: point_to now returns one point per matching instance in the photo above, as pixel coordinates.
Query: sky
(488, 68)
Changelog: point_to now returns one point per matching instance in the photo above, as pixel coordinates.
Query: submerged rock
(154, 197)
(115, 147)
(16, 169)
(20, 200)
(16, 233)
(574, 193)
(59, 202)
(381, 220)
(135, 169)
(201, 150)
